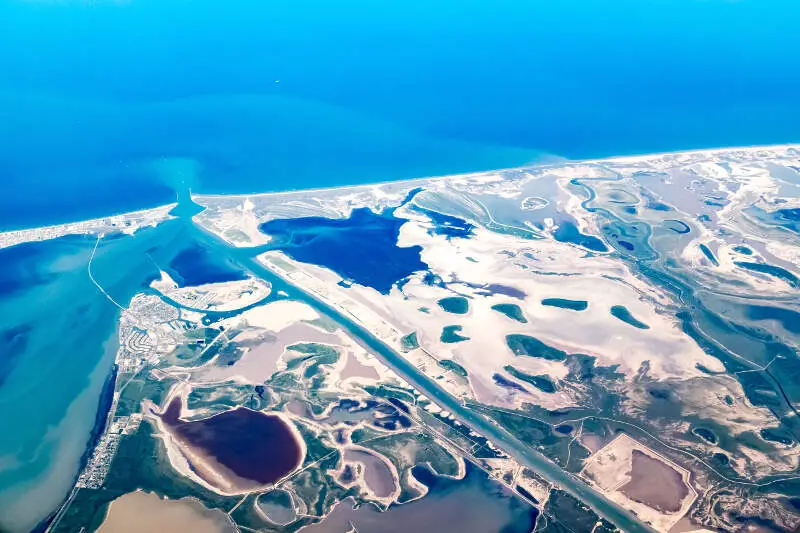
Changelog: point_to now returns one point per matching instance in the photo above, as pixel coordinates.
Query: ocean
(267, 96)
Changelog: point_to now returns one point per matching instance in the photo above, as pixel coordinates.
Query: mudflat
(146, 512)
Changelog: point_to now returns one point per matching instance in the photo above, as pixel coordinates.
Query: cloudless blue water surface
(362, 248)
(285, 94)
(197, 265)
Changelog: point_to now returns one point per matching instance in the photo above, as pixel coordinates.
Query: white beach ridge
(132, 221)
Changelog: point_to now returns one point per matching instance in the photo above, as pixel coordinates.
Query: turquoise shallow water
(286, 95)
(58, 335)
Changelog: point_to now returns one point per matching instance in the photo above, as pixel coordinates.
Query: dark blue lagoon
(457, 305)
(543, 383)
(533, 347)
(253, 447)
(709, 254)
(197, 265)
(452, 334)
(512, 311)
(362, 248)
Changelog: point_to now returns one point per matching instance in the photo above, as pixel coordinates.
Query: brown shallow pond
(142, 512)
(655, 483)
(247, 447)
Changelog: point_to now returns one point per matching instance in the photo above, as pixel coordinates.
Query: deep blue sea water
(290, 94)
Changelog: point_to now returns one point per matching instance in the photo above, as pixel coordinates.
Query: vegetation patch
(533, 347)
(542, 382)
(457, 305)
(512, 311)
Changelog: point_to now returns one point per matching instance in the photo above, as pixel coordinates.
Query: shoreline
(104, 404)
(611, 159)
(410, 181)
(97, 219)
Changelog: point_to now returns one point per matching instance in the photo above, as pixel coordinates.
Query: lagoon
(240, 449)
(362, 248)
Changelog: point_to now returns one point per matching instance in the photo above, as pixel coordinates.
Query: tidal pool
(564, 429)
(564, 303)
(709, 254)
(776, 435)
(705, 434)
(507, 383)
(512, 311)
(377, 474)
(277, 506)
(543, 383)
(409, 342)
(677, 226)
(458, 305)
(451, 334)
(452, 366)
(621, 312)
(655, 483)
